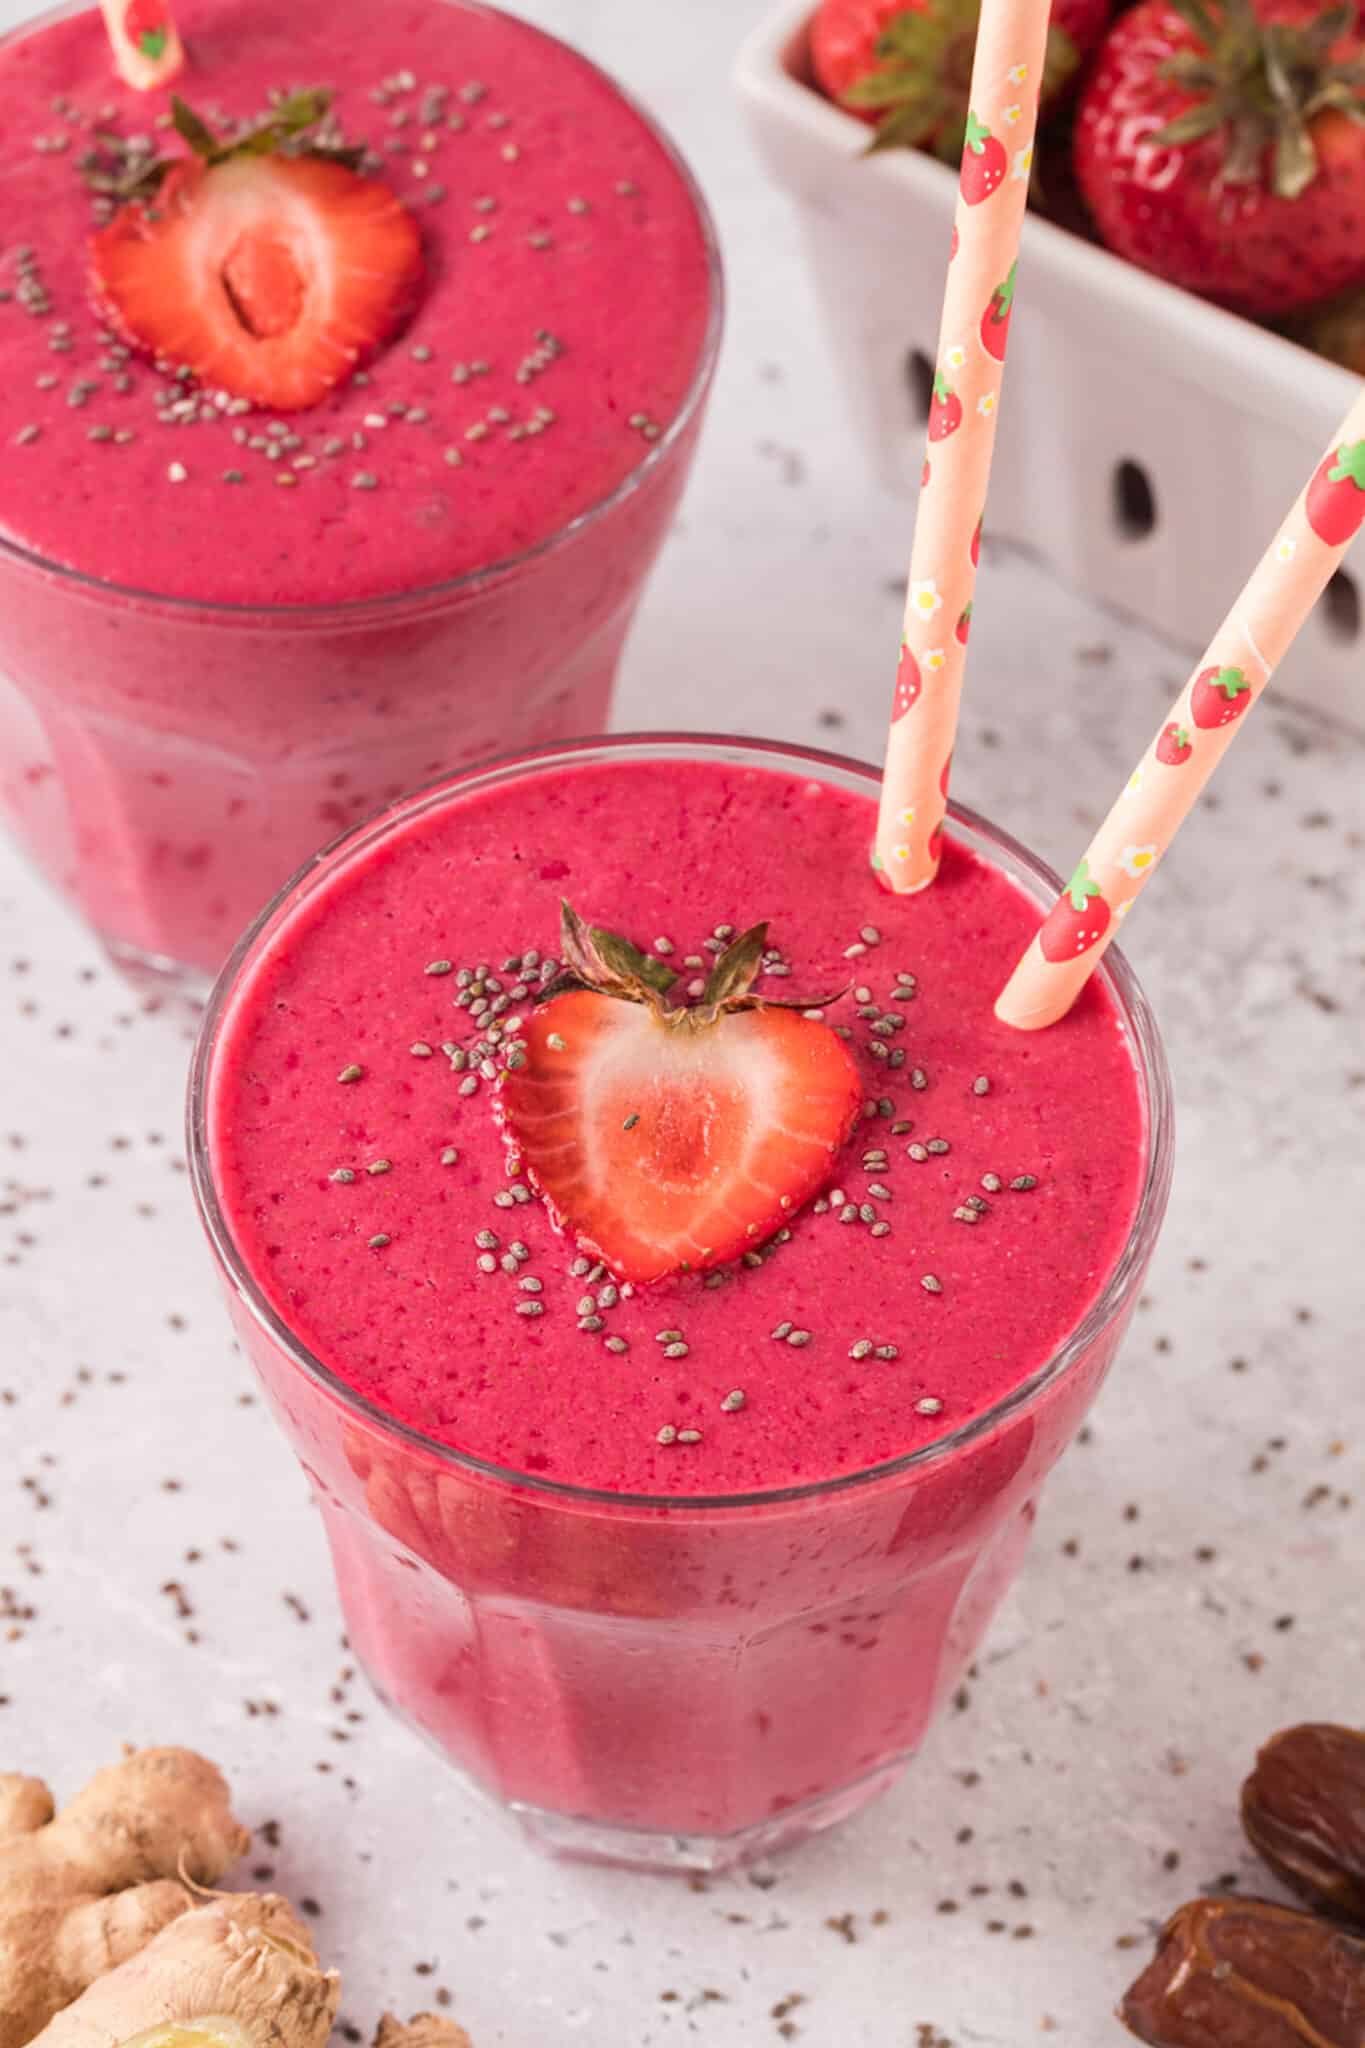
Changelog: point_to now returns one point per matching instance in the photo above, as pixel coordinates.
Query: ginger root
(423, 2030)
(239, 1972)
(84, 1891)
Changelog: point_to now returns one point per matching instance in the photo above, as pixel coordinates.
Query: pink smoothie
(167, 763)
(553, 220)
(672, 849)
(688, 1665)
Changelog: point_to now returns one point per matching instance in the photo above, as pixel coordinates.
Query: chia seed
(344, 1174)
(351, 1073)
(450, 1157)
(675, 1351)
(1022, 1182)
(930, 1405)
(981, 1085)
(931, 1284)
(667, 1435)
(799, 1338)
(733, 1401)
(530, 1308)
(862, 1349)
(992, 1183)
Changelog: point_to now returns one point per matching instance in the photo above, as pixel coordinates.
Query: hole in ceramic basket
(1341, 607)
(919, 381)
(1134, 500)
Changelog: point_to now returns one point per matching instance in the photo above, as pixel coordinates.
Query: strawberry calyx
(1002, 298)
(1259, 84)
(1349, 466)
(1081, 890)
(300, 124)
(608, 965)
(1231, 681)
(922, 77)
(943, 390)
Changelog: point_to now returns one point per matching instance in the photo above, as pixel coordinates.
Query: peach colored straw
(1162, 789)
(978, 295)
(147, 50)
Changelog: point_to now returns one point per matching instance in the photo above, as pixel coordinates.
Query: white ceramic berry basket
(1149, 444)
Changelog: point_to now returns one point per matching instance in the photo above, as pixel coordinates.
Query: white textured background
(1196, 1577)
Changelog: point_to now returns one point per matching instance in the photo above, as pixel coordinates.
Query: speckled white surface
(1195, 1579)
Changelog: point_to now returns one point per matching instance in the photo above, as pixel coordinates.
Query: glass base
(155, 974)
(574, 1840)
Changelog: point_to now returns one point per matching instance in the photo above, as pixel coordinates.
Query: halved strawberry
(273, 278)
(670, 1139)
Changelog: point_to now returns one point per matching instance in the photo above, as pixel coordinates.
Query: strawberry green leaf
(736, 971)
(1061, 61)
(1349, 466)
(1002, 298)
(1232, 682)
(188, 125)
(1191, 126)
(977, 136)
(943, 390)
(1196, 16)
(1080, 888)
(595, 958)
(152, 43)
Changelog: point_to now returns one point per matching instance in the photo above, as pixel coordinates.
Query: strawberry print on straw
(978, 303)
(1203, 722)
(984, 162)
(146, 48)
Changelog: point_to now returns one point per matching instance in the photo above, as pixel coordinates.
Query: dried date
(1303, 1808)
(1239, 1973)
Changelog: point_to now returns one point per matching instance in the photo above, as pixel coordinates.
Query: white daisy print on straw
(1287, 549)
(1023, 162)
(954, 357)
(925, 598)
(1013, 115)
(985, 405)
(1017, 74)
(934, 659)
(1136, 861)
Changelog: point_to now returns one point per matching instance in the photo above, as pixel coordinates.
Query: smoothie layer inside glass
(973, 1218)
(562, 321)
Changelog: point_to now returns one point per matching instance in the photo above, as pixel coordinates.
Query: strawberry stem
(977, 135)
(1080, 888)
(1350, 465)
(1232, 682)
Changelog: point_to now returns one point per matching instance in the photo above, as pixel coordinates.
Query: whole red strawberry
(1175, 746)
(945, 410)
(995, 321)
(905, 65)
(1078, 919)
(1219, 145)
(907, 684)
(1335, 505)
(1219, 696)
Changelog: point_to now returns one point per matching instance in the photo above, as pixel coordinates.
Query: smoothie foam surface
(407, 1281)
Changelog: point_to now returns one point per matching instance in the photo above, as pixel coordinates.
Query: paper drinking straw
(977, 301)
(147, 50)
(1204, 720)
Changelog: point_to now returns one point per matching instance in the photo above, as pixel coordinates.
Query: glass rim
(1111, 1302)
(226, 611)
